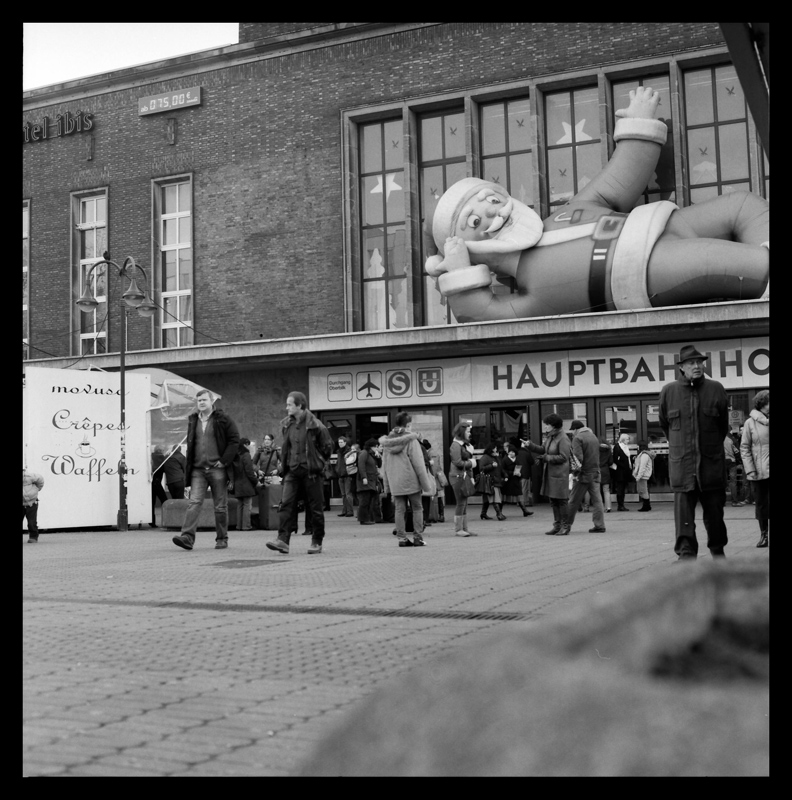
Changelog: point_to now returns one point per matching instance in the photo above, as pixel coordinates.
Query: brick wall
(264, 149)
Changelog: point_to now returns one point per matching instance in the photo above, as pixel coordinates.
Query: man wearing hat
(585, 448)
(694, 415)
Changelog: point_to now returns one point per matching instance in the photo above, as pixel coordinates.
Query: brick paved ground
(141, 659)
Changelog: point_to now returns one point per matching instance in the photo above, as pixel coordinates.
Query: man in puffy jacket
(585, 448)
(32, 483)
(694, 415)
(307, 445)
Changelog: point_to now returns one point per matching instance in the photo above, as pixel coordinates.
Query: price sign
(169, 101)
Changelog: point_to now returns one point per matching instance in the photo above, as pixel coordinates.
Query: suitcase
(269, 498)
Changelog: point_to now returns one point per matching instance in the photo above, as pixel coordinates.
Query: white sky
(55, 52)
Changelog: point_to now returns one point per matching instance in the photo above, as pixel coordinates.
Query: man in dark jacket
(694, 415)
(212, 443)
(307, 445)
(585, 448)
(345, 480)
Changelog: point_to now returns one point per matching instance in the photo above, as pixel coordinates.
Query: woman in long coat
(755, 453)
(556, 453)
(462, 463)
(622, 470)
(245, 483)
(605, 461)
(490, 464)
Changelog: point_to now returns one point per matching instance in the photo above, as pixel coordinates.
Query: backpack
(350, 459)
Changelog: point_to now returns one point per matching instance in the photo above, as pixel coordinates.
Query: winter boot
(458, 530)
(440, 510)
(484, 507)
(563, 512)
(499, 511)
(762, 534)
(526, 512)
(556, 522)
(645, 505)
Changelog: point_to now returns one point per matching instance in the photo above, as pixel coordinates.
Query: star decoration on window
(730, 90)
(703, 151)
(452, 131)
(395, 143)
(579, 135)
(495, 178)
(390, 186)
(520, 123)
(562, 172)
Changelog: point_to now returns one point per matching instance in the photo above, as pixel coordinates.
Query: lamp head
(87, 301)
(133, 297)
(146, 307)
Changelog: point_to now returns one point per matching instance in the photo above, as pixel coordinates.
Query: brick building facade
(269, 259)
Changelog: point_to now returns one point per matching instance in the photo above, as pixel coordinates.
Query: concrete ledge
(173, 513)
(597, 691)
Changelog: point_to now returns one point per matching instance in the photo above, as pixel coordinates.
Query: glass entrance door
(639, 418)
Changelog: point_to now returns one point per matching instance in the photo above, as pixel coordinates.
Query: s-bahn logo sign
(394, 384)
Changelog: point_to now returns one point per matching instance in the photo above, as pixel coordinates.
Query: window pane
(185, 200)
(170, 337)
(397, 252)
(734, 152)
(701, 154)
(26, 252)
(586, 115)
(494, 169)
(372, 200)
(373, 253)
(101, 209)
(736, 187)
(588, 164)
(400, 298)
(25, 325)
(431, 190)
(371, 148)
(394, 150)
(169, 271)
(493, 129)
(86, 321)
(436, 307)
(559, 171)
(700, 195)
(519, 124)
(185, 337)
(698, 97)
(87, 211)
(170, 231)
(25, 222)
(521, 178)
(558, 116)
(454, 133)
(170, 306)
(170, 196)
(455, 172)
(100, 282)
(185, 268)
(101, 241)
(184, 230)
(374, 305)
(24, 288)
(431, 140)
(394, 193)
(185, 308)
(729, 93)
(87, 244)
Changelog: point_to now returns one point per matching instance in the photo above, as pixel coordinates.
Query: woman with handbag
(460, 476)
(490, 481)
(556, 453)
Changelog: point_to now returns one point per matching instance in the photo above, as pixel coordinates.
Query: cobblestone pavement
(142, 659)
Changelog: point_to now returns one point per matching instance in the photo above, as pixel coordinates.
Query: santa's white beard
(523, 230)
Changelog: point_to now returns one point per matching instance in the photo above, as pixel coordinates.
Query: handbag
(484, 485)
(468, 485)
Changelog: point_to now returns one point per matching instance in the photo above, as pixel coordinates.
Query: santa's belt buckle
(609, 227)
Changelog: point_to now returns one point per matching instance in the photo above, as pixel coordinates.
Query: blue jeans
(456, 482)
(685, 520)
(201, 479)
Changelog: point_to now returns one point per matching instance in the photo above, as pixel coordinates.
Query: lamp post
(133, 298)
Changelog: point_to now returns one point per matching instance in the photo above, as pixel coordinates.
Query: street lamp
(133, 298)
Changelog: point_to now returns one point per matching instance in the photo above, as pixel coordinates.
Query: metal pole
(123, 516)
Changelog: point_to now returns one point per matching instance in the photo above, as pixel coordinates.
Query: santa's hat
(450, 204)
